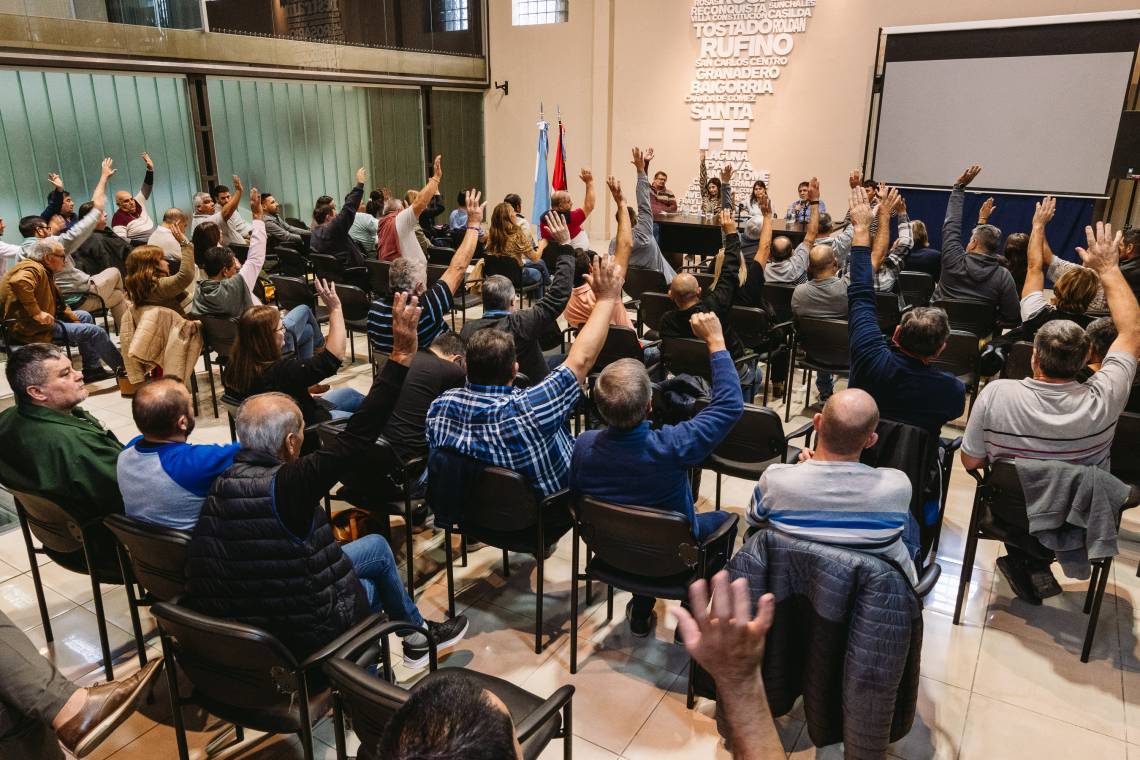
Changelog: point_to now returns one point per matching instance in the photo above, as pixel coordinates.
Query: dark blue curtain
(1014, 214)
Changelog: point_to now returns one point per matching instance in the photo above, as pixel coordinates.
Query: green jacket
(68, 458)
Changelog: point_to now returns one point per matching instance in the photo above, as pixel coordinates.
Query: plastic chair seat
(523, 541)
(671, 587)
(280, 718)
(748, 470)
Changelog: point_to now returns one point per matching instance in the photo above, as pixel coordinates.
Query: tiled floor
(1006, 683)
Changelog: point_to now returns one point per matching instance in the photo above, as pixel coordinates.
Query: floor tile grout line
(664, 693)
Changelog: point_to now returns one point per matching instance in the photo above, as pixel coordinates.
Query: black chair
(218, 336)
(916, 288)
(438, 254)
(290, 292)
(690, 356)
(1018, 363)
(240, 250)
(824, 344)
(621, 343)
(354, 304)
(976, 317)
(1133, 404)
(998, 492)
(705, 280)
(329, 267)
(754, 328)
(378, 277)
(83, 547)
(889, 310)
(291, 262)
(369, 701)
(645, 551)
(295, 222)
(639, 280)
(9, 344)
(506, 266)
(756, 441)
(1125, 443)
(244, 675)
(779, 297)
(503, 511)
(651, 308)
(101, 310)
(960, 358)
(382, 486)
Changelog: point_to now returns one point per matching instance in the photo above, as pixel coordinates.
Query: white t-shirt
(406, 224)
(164, 239)
(1032, 304)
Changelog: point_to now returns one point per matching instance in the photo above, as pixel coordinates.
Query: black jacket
(103, 250)
(528, 325)
(675, 324)
(332, 236)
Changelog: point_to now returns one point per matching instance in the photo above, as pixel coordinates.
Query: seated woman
(150, 283)
(206, 235)
(506, 238)
(257, 366)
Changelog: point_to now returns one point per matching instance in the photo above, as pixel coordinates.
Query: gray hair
(406, 275)
(988, 237)
(264, 420)
(43, 247)
(923, 330)
(201, 198)
(498, 293)
(1101, 332)
(392, 205)
(1061, 348)
(173, 215)
(25, 367)
(622, 393)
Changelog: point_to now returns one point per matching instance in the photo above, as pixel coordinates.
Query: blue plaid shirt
(521, 429)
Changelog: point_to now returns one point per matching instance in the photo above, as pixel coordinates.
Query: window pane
(527, 12)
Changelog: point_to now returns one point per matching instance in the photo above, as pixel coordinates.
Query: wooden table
(701, 236)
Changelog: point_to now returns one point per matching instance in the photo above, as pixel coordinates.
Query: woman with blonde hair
(149, 282)
(506, 238)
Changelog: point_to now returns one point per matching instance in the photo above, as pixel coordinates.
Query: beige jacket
(157, 336)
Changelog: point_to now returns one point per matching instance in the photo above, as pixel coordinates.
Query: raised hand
(1046, 207)
(860, 208)
(475, 209)
(56, 181)
(649, 154)
(255, 203)
(615, 187)
(900, 205)
(178, 230)
(706, 326)
(586, 176)
(639, 162)
(108, 168)
(766, 204)
(361, 175)
(405, 321)
(326, 289)
(437, 168)
(727, 221)
(855, 178)
(987, 208)
(1103, 251)
(726, 174)
(559, 232)
(968, 176)
(888, 200)
(149, 163)
(605, 278)
(237, 183)
(813, 189)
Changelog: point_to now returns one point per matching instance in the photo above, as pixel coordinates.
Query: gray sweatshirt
(646, 252)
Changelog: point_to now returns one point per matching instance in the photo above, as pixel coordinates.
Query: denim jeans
(535, 272)
(93, 342)
(345, 402)
(302, 332)
(707, 523)
(376, 567)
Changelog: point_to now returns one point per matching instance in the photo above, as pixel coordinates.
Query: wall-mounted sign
(744, 46)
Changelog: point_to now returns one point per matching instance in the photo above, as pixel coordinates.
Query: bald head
(162, 410)
(265, 421)
(782, 248)
(822, 262)
(684, 290)
(847, 424)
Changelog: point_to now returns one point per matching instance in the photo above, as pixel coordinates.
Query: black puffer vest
(245, 566)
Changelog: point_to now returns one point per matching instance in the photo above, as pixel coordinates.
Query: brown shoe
(318, 389)
(108, 705)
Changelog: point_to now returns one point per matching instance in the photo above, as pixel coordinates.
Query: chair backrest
(502, 501)
(1018, 364)
(640, 280)
(779, 297)
(621, 343)
(378, 277)
(1133, 404)
(293, 291)
(652, 543)
(756, 437)
(290, 261)
(960, 357)
(354, 302)
(977, 317)
(914, 452)
(241, 251)
(50, 523)
(231, 664)
(435, 271)
(916, 288)
(437, 254)
(1003, 489)
(705, 280)
(368, 701)
(653, 307)
(824, 341)
(505, 266)
(327, 267)
(296, 222)
(219, 334)
(157, 555)
(751, 324)
(889, 311)
(1125, 443)
(687, 356)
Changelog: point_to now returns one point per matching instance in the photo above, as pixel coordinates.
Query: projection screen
(1038, 122)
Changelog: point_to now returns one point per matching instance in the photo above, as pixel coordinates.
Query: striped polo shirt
(436, 303)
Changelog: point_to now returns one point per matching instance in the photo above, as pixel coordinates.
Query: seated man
(163, 236)
(628, 463)
(131, 220)
(527, 326)
(263, 552)
(800, 209)
(239, 227)
(1051, 415)
(831, 497)
(784, 263)
(59, 202)
(104, 249)
(522, 429)
(91, 292)
(975, 272)
(898, 377)
(40, 708)
(646, 253)
(399, 227)
(560, 203)
(330, 229)
(51, 446)
(279, 230)
(409, 275)
(364, 227)
(35, 228)
(163, 478)
(824, 296)
(29, 296)
(206, 209)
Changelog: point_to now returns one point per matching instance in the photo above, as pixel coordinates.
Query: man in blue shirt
(164, 479)
(628, 463)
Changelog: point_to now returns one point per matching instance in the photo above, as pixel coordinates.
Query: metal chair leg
(410, 542)
(450, 571)
(175, 701)
(507, 563)
(1091, 592)
(1094, 613)
(35, 565)
(100, 616)
(132, 605)
(574, 603)
(967, 560)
